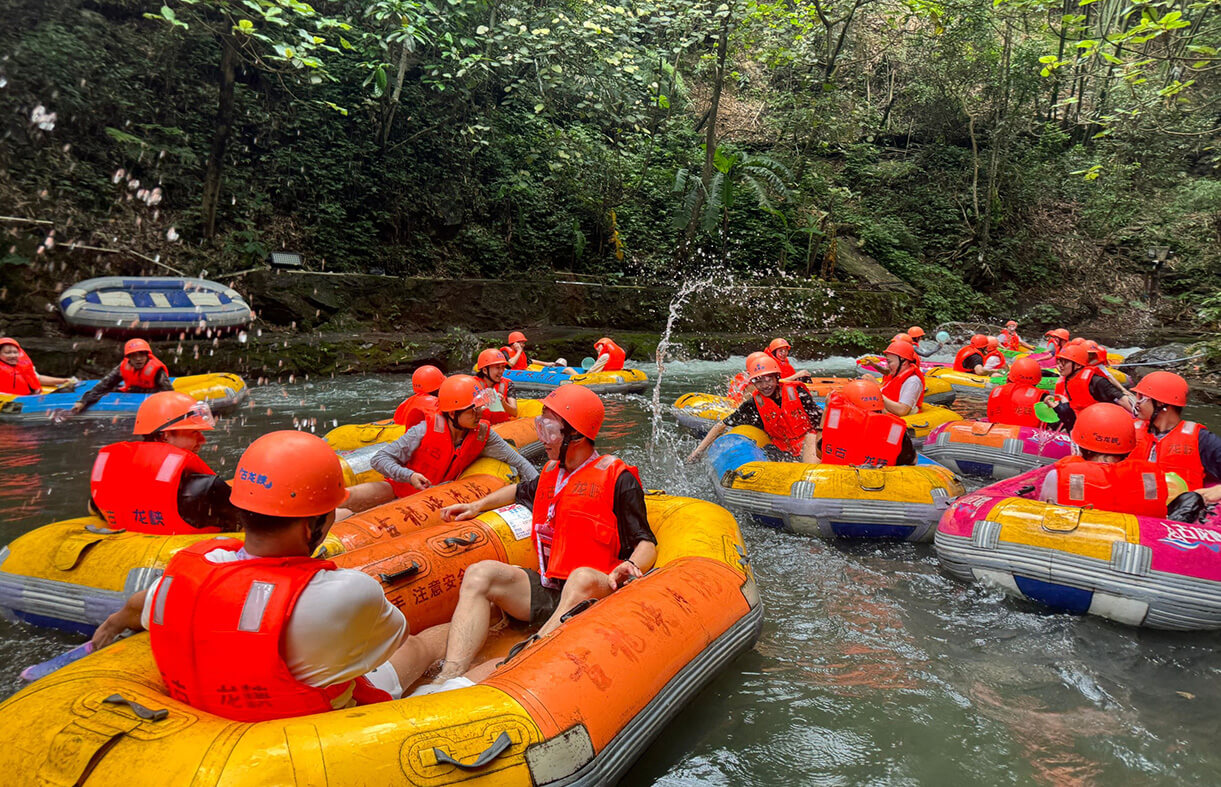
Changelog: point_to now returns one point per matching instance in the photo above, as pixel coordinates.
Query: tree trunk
(220, 138)
(388, 118)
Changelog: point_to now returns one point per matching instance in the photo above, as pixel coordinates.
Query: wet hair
(1096, 456)
(266, 524)
(155, 437)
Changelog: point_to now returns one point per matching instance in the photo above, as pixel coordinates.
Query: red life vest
(436, 458)
(501, 388)
(1177, 451)
(786, 423)
(995, 354)
(961, 357)
(20, 378)
(1010, 340)
(143, 380)
(786, 368)
(892, 385)
(135, 486)
(1013, 403)
(617, 356)
(205, 614)
(1133, 486)
(415, 408)
(1077, 389)
(522, 360)
(851, 436)
(737, 387)
(581, 530)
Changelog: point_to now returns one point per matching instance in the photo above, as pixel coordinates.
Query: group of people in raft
(1126, 444)
(316, 637)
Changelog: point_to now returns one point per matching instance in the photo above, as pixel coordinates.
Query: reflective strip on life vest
(255, 606)
(169, 467)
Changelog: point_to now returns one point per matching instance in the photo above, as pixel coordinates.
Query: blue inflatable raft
(152, 304)
(221, 390)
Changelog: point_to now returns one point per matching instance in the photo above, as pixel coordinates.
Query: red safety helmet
(902, 337)
(979, 341)
(1057, 333)
(1098, 354)
(865, 394)
(993, 343)
(457, 393)
(1164, 387)
(136, 346)
(1078, 340)
(602, 341)
(6, 340)
(490, 357)
(1026, 370)
(427, 379)
(776, 344)
(762, 367)
(289, 474)
(172, 411)
(1105, 429)
(905, 350)
(516, 336)
(1011, 324)
(1075, 353)
(916, 332)
(579, 407)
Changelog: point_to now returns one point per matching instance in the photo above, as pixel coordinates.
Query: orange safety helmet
(289, 474)
(427, 379)
(1164, 387)
(979, 341)
(172, 411)
(457, 393)
(6, 340)
(777, 344)
(993, 343)
(902, 337)
(516, 336)
(916, 332)
(490, 357)
(579, 407)
(865, 394)
(1075, 353)
(1026, 370)
(1079, 340)
(1057, 333)
(136, 346)
(905, 350)
(756, 355)
(603, 340)
(1011, 324)
(762, 367)
(1105, 429)
(1098, 354)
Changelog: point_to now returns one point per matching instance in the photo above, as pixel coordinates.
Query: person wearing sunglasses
(438, 449)
(139, 372)
(159, 484)
(1174, 443)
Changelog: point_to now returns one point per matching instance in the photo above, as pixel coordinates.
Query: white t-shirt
(993, 362)
(909, 394)
(341, 628)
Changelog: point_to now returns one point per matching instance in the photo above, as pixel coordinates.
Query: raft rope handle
(460, 541)
(749, 474)
(388, 579)
(863, 485)
(518, 648)
(1025, 490)
(148, 714)
(104, 531)
(579, 608)
(498, 747)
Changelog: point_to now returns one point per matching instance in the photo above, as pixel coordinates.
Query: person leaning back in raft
(159, 484)
(785, 410)
(501, 398)
(610, 356)
(18, 375)
(324, 637)
(139, 372)
(438, 449)
(591, 532)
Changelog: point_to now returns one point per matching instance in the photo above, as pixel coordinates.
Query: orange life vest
(617, 356)
(963, 354)
(1177, 451)
(786, 423)
(217, 634)
(135, 486)
(1133, 486)
(1013, 403)
(737, 387)
(522, 360)
(20, 378)
(892, 385)
(501, 388)
(144, 380)
(1010, 340)
(415, 408)
(995, 354)
(581, 530)
(1077, 389)
(851, 436)
(436, 458)
(786, 368)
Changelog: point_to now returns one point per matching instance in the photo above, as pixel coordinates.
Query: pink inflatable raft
(1134, 570)
(982, 448)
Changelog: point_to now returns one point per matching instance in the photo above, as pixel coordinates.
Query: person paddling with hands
(139, 372)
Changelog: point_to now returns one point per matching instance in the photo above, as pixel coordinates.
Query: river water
(873, 666)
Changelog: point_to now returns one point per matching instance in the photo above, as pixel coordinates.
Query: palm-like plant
(733, 173)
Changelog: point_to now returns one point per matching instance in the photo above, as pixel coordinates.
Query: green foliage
(852, 341)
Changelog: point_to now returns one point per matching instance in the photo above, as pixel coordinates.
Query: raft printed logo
(1188, 538)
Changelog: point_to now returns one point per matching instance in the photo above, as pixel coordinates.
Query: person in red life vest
(739, 385)
(779, 349)
(590, 530)
(970, 359)
(140, 372)
(18, 375)
(994, 359)
(785, 410)
(1080, 386)
(1009, 339)
(515, 352)
(610, 356)
(1102, 475)
(1176, 445)
(261, 630)
(159, 484)
(1056, 340)
(501, 398)
(437, 449)
(917, 335)
(423, 401)
(857, 430)
(903, 385)
(1013, 402)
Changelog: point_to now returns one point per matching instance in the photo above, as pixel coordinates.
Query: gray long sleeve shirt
(391, 461)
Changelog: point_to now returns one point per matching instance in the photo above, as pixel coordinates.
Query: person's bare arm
(128, 617)
(460, 511)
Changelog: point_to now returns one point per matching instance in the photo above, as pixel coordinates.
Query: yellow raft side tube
(350, 437)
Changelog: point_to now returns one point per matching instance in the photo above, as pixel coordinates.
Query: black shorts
(543, 600)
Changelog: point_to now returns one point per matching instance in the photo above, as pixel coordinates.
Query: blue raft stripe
(1064, 597)
(974, 468)
(110, 403)
(142, 299)
(93, 297)
(866, 530)
(552, 375)
(44, 621)
(769, 521)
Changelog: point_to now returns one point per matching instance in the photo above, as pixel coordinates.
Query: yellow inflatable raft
(575, 707)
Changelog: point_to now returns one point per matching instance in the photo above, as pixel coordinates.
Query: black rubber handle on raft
(386, 579)
(1025, 490)
(459, 541)
(578, 609)
(148, 714)
(499, 747)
